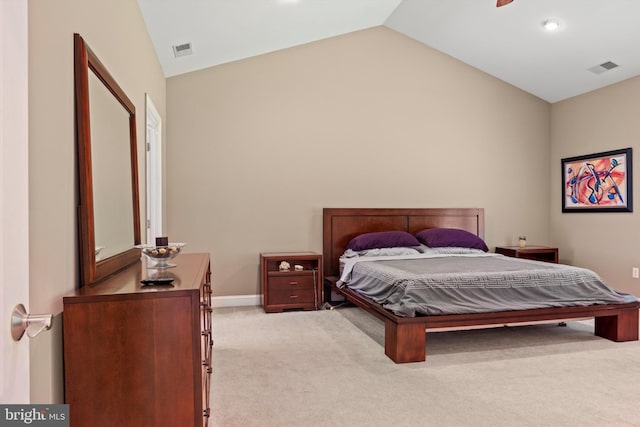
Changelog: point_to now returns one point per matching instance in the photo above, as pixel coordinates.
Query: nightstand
(293, 289)
(537, 253)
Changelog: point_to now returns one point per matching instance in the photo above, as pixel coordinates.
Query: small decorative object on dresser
(289, 290)
(537, 253)
(158, 256)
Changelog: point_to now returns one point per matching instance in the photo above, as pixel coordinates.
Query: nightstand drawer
(291, 296)
(290, 283)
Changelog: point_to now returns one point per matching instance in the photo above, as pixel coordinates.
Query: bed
(405, 336)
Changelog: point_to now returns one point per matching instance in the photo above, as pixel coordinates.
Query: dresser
(140, 355)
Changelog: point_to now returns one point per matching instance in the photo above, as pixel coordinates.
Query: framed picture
(599, 182)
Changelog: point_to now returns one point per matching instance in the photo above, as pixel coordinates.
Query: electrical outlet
(635, 272)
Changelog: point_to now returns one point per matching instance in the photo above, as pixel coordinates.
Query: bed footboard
(405, 342)
(405, 337)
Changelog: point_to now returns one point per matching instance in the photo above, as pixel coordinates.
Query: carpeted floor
(328, 368)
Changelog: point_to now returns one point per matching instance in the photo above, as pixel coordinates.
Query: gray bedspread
(475, 284)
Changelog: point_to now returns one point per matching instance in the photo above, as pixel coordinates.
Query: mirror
(108, 206)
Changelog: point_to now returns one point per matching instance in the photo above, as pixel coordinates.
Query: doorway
(154, 172)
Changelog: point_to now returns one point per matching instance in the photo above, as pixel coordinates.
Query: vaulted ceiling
(508, 42)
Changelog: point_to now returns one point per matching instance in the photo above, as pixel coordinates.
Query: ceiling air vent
(605, 66)
(182, 50)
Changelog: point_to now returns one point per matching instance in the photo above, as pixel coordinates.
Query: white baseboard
(236, 301)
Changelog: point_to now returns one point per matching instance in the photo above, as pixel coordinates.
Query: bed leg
(619, 328)
(405, 343)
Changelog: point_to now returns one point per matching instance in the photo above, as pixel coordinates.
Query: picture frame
(599, 182)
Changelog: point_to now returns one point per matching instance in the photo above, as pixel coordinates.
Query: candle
(522, 241)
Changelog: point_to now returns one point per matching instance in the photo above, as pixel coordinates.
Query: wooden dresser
(140, 355)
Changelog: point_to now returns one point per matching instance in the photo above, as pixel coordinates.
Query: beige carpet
(328, 368)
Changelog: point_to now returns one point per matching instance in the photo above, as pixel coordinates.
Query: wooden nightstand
(538, 253)
(289, 290)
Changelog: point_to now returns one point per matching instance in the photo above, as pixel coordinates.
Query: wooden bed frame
(405, 337)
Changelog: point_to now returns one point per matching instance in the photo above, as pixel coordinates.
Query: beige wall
(116, 32)
(603, 120)
(256, 148)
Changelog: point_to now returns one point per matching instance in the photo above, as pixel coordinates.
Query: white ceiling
(507, 42)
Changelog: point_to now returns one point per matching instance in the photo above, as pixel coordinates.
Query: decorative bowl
(159, 256)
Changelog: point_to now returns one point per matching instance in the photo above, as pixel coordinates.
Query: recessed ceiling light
(551, 24)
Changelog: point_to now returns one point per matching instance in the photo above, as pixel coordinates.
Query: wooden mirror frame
(92, 271)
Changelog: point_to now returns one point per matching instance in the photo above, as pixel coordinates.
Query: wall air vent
(182, 50)
(601, 68)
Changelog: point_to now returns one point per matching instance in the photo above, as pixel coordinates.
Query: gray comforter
(474, 284)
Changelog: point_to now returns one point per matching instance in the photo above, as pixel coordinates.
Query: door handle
(21, 321)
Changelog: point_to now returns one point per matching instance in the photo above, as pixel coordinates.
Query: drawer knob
(293, 296)
(293, 283)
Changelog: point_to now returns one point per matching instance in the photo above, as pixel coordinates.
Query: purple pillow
(441, 237)
(382, 239)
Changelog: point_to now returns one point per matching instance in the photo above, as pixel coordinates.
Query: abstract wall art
(599, 182)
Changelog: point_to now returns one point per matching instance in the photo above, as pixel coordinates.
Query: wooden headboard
(340, 225)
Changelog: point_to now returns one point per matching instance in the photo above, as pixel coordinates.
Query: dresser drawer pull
(293, 283)
(293, 296)
(209, 370)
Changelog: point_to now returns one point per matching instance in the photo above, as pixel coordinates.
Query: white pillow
(381, 252)
(449, 250)
(401, 250)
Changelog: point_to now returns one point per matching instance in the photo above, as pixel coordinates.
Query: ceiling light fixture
(551, 24)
